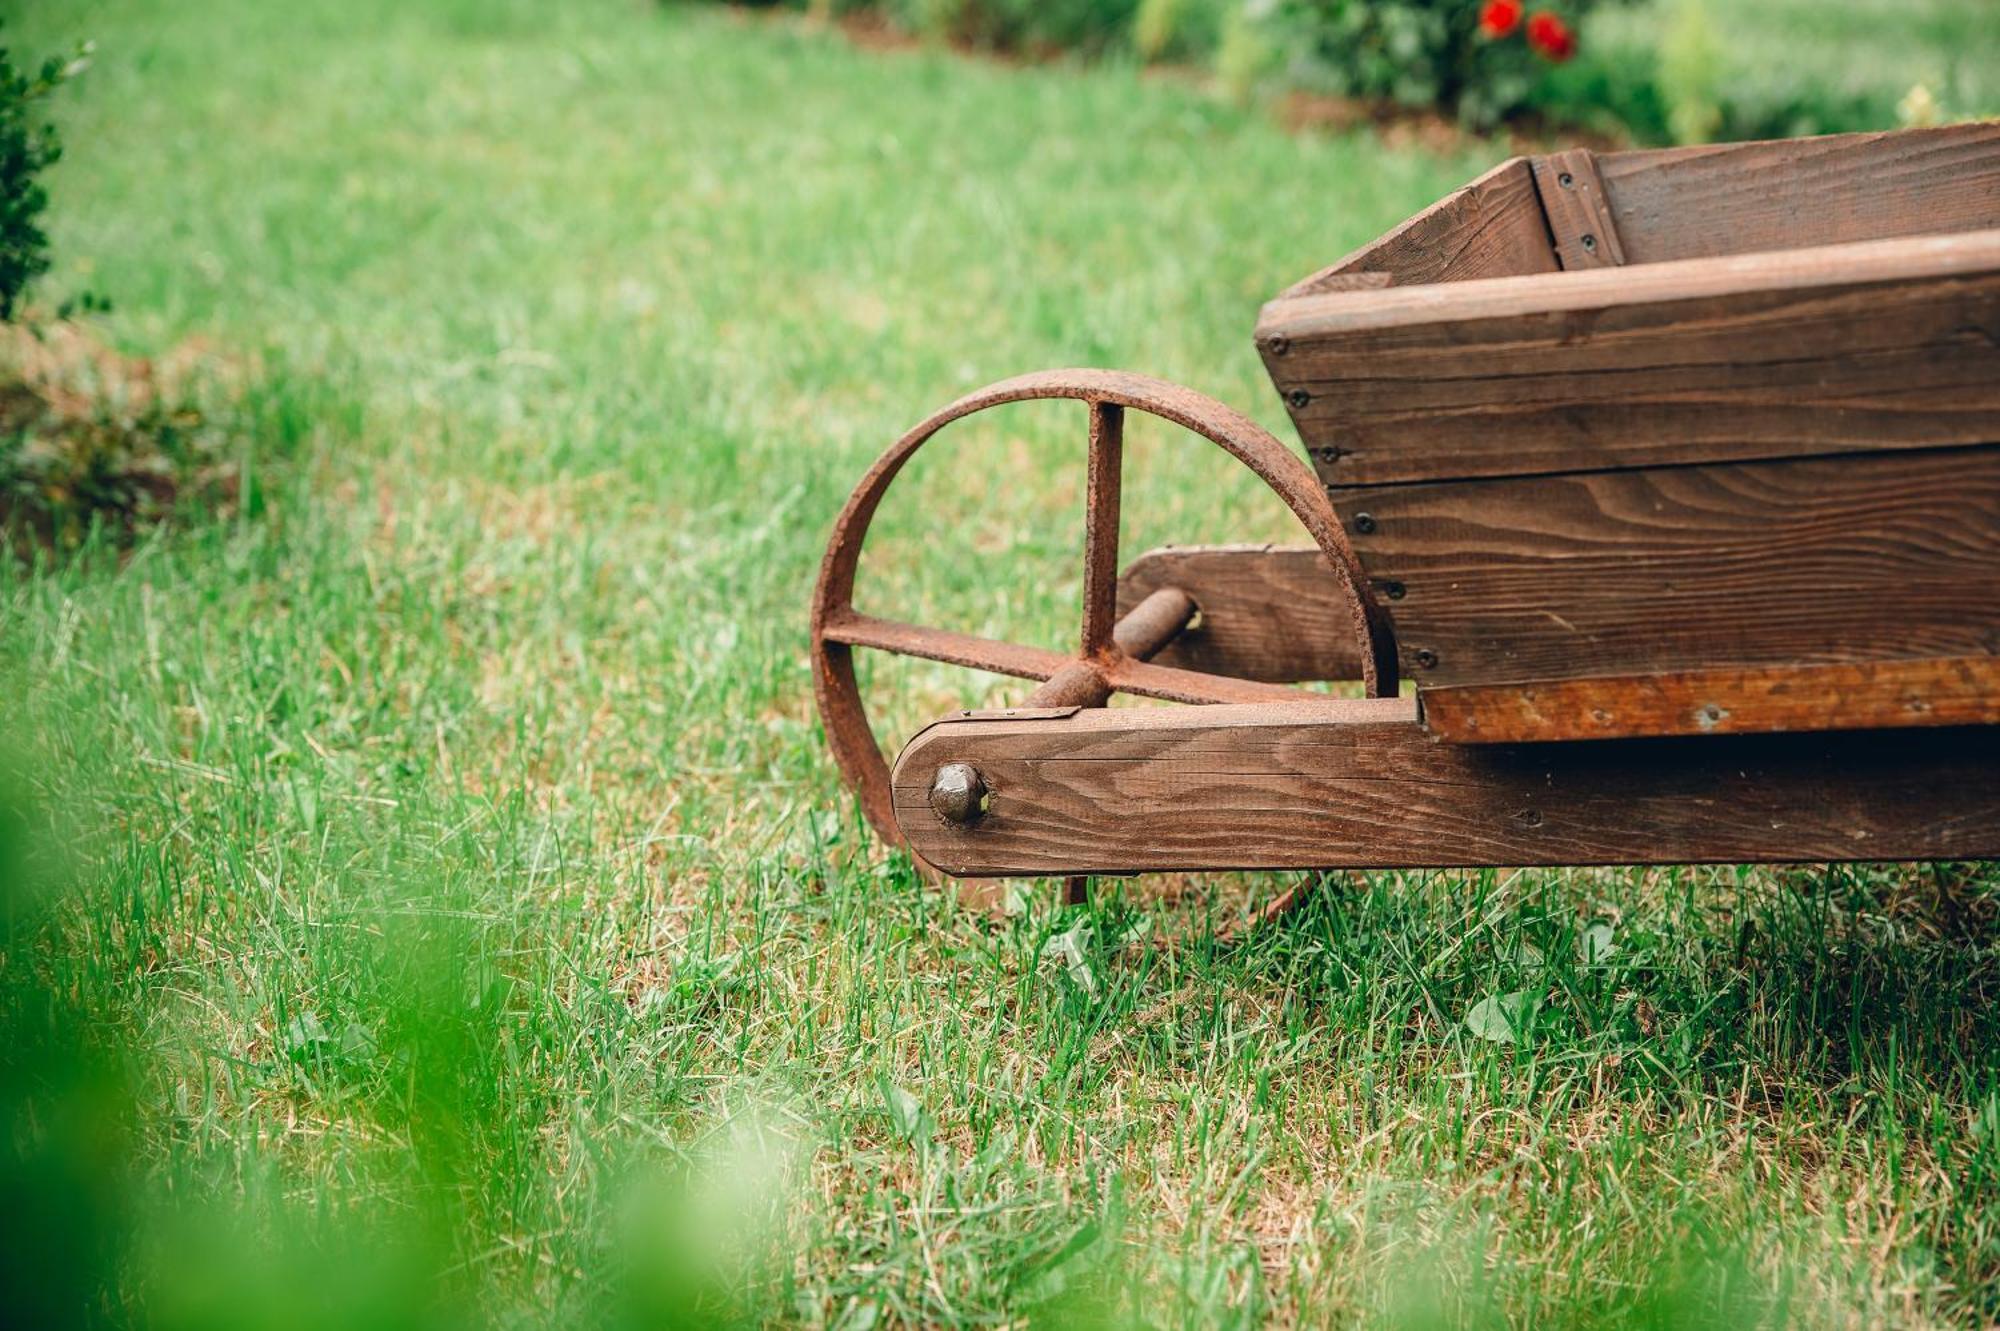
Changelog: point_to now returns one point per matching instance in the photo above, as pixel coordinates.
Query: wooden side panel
(1683, 203)
(1131, 791)
(1821, 560)
(1266, 612)
(1737, 700)
(1579, 212)
(1491, 228)
(1891, 344)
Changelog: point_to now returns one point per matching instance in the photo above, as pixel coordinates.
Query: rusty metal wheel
(1111, 656)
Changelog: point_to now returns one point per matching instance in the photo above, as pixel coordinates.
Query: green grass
(430, 902)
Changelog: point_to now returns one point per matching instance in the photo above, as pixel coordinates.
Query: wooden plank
(1492, 227)
(1689, 203)
(1579, 213)
(1803, 561)
(1267, 612)
(1886, 344)
(1361, 785)
(1869, 695)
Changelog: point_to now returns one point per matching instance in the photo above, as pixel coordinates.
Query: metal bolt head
(1427, 658)
(1394, 590)
(1278, 344)
(1364, 523)
(958, 794)
(1298, 397)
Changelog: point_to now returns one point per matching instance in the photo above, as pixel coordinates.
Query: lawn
(431, 903)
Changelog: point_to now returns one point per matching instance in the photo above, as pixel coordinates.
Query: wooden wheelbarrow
(1657, 512)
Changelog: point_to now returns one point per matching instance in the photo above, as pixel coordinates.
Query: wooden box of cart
(1654, 501)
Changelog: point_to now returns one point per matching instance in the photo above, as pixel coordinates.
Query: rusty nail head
(958, 794)
(1298, 397)
(1427, 658)
(1364, 523)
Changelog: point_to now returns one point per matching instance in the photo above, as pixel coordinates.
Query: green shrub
(1090, 26)
(1477, 59)
(26, 149)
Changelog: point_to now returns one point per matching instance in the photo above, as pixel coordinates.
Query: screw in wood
(959, 794)
(1394, 590)
(1278, 345)
(1427, 658)
(1566, 180)
(1298, 397)
(1590, 242)
(1364, 523)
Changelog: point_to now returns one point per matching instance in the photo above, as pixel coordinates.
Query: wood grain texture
(1267, 612)
(1885, 344)
(1805, 561)
(1688, 203)
(1868, 695)
(1578, 211)
(1492, 227)
(1361, 785)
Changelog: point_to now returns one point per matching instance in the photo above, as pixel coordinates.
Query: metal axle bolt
(958, 794)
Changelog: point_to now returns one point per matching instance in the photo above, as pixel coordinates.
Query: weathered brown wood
(1322, 283)
(1869, 695)
(1689, 203)
(1360, 784)
(1491, 228)
(1579, 214)
(1883, 344)
(1803, 561)
(1267, 612)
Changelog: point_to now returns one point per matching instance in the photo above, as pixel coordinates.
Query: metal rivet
(1278, 345)
(1393, 590)
(1427, 658)
(1298, 397)
(1590, 242)
(1566, 180)
(1364, 523)
(958, 794)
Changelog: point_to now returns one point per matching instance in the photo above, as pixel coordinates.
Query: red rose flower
(1551, 36)
(1497, 18)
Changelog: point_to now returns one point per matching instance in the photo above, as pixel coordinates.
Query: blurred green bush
(1656, 71)
(28, 146)
(1478, 60)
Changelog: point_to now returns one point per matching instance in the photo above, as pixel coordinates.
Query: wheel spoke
(959, 649)
(1100, 526)
(1156, 621)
